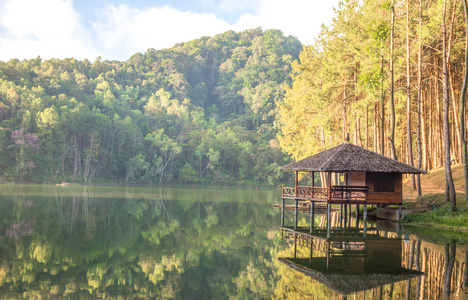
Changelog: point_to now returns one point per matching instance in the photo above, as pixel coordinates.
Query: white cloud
(237, 5)
(299, 18)
(125, 31)
(46, 28)
(53, 28)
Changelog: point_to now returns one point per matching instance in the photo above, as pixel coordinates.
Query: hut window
(384, 183)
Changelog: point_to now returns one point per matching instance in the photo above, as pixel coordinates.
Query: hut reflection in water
(349, 262)
(369, 261)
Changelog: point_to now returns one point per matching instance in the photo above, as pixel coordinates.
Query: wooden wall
(358, 178)
(395, 197)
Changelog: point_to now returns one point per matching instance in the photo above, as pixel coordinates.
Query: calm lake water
(129, 242)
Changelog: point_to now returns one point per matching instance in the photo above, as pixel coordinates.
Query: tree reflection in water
(115, 242)
(317, 269)
(136, 243)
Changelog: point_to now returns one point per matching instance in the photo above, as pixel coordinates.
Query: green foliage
(440, 213)
(197, 104)
(443, 216)
(188, 174)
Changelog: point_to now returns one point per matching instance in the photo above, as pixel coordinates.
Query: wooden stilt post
(295, 200)
(295, 244)
(295, 214)
(357, 215)
(365, 219)
(341, 215)
(345, 216)
(311, 249)
(349, 217)
(312, 185)
(327, 243)
(282, 212)
(400, 214)
(297, 182)
(312, 216)
(329, 205)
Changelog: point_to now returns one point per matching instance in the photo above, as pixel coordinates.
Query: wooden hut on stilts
(349, 175)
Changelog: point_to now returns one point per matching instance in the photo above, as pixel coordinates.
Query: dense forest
(232, 108)
(200, 112)
(389, 74)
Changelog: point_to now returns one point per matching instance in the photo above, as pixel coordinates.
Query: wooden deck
(338, 194)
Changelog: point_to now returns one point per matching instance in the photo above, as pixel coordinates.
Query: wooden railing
(347, 192)
(338, 192)
(289, 192)
(321, 192)
(305, 192)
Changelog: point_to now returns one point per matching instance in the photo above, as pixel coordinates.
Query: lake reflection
(136, 243)
(117, 242)
(372, 261)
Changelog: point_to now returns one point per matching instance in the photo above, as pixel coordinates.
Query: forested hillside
(200, 112)
(377, 73)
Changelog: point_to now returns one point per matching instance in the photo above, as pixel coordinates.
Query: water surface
(130, 242)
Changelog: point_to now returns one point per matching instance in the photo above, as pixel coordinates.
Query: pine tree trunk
(382, 107)
(357, 138)
(462, 107)
(392, 101)
(449, 188)
(418, 129)
(345, 119)
(409, 138)
(367, 126)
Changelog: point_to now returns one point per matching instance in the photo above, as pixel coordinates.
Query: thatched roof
(346, 283)
(347, 158)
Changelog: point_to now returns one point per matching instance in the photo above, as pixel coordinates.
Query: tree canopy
(199, 112)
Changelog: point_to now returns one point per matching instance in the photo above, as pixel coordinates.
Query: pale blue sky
(116, 29)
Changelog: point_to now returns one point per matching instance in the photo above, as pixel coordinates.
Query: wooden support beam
(312, 216)
(345, 215)
(341, 216)
(365, 219)
(349, 215)
(311, 242)
(357, 215)
(295, 214)
(297, 183)
(282, 212)
(312, 184)
(295, 244)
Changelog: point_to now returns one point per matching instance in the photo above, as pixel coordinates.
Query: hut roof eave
(350, 158)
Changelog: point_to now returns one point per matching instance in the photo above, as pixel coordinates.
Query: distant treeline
(200, 112)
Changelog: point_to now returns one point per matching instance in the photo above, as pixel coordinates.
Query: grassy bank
(439, 213)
